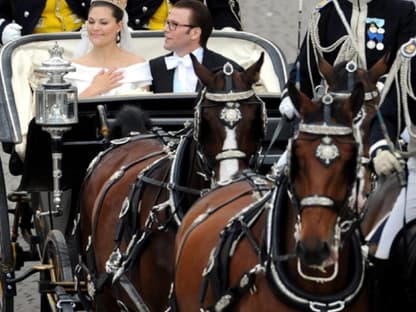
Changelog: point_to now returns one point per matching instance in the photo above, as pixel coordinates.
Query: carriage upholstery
(19, 58)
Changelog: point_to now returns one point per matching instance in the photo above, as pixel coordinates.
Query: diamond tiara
(118, 3)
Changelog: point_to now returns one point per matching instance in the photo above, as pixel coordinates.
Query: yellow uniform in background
(157, 21)
(57, 17)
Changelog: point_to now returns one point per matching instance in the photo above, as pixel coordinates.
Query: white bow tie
(173, 61)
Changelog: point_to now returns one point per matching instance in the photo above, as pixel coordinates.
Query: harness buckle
(60, 304)
(330, 307)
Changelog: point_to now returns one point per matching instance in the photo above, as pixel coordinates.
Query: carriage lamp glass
(56, 111)
(56, 99)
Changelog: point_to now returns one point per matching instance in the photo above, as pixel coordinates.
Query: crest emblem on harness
(231, 114)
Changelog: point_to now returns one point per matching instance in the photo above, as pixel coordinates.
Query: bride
(105, 64)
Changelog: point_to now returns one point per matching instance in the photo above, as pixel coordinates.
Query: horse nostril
(313, 255)
(300, 249)
(326, 250)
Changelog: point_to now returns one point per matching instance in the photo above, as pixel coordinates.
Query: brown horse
(341, 80)
(139, 202)
(244, 249)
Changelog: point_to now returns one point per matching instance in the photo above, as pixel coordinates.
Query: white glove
(287, 108)
(385, 163)
(11, 32)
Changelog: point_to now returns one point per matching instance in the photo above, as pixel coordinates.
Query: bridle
(230, 100)
(329, 134)
(371, 100)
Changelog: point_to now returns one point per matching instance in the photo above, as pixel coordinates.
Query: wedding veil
(125, 38)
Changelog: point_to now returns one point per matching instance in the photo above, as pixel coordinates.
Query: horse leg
(380, 285)
(104, 301)
(154, 275)
(403, 259)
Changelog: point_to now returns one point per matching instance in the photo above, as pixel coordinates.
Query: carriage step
(18, 196)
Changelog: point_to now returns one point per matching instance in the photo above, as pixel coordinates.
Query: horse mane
(130, 119)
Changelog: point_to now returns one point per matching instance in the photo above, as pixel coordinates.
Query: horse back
(210, 214)
(132, 156)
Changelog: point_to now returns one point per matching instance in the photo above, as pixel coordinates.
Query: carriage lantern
(56, 99)
(56, 110)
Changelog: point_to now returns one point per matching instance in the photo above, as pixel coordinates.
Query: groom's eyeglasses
(173, 25)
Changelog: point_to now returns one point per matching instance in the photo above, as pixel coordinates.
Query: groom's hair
(200, 17)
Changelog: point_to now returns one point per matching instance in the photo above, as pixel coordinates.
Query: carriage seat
(19, 59)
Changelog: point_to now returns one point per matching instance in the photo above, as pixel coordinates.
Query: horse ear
(203, 73)
(379, 68)
(302, 103)
(357, 98)
(252, 74)
(327, 71)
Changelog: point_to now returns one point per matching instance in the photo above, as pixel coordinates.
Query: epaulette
(408, 49)
(322, 4)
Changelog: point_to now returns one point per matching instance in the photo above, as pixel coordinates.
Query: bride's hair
(124, 38)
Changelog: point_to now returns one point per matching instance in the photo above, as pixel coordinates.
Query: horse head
(340, 80)
(323, 157)
(230, 120)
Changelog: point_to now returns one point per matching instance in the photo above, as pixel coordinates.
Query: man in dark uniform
(23, 17)
(187, 30)
(387, 160)
(361, 31)
(358, 30)
(224, 13)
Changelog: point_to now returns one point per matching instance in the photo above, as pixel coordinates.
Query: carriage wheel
(6, 257)
(56, 254)
(6, 303)
(6, 260)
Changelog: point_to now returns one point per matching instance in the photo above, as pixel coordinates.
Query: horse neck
(370, 111)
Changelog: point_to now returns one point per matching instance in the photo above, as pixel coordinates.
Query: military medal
(372, 30)
(375, 33)
(380, 36)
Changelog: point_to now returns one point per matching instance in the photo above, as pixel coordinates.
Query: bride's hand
(103, 82)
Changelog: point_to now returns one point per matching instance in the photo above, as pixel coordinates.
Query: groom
(187, 30)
